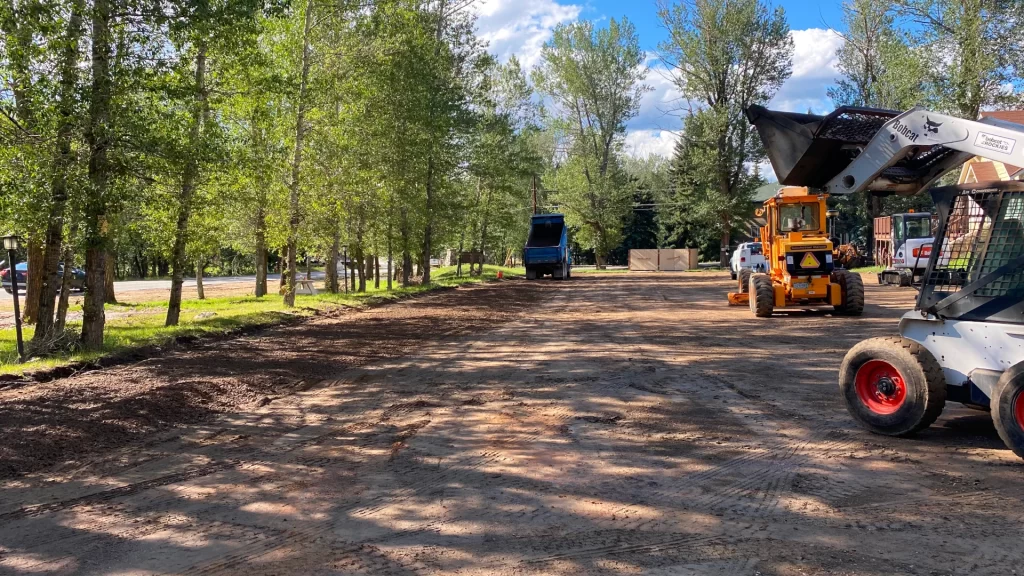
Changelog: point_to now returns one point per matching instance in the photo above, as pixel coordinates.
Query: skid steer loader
(801, 271)
(964, 342)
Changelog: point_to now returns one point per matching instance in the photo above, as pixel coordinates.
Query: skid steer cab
(801, 271)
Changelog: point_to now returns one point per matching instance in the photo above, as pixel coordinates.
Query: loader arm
(880, 151)
(935, 144)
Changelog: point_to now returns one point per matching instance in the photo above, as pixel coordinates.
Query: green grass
(868, 270)
(142, 324)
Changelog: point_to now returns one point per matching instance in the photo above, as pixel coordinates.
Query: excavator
(964, 341)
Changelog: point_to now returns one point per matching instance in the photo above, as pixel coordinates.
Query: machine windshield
(798, 217)
(919, 227)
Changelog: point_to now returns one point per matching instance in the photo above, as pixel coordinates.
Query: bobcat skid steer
(964, 342)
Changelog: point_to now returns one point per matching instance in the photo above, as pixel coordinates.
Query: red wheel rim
(881, 387)
(1018, 409)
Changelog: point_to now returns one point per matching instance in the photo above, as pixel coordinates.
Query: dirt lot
(606, 425)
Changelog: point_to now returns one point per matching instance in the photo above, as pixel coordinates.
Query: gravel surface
(604, 425)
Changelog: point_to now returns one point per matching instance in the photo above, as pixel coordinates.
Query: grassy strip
(869, 270)
(141, 324)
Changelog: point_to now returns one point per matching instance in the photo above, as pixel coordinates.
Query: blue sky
(521, 27)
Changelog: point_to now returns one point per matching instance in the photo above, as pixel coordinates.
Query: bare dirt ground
(605, 425)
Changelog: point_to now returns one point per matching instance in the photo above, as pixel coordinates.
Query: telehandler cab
(964, 342)
(801, 271)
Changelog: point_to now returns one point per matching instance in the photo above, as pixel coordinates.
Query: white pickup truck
(748, 255)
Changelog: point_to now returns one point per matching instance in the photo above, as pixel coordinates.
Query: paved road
(612, 425)
(140, 285)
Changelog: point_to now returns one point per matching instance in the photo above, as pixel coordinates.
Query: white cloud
(521, 27)
(659, 108)
(814, 70)
(645, 143)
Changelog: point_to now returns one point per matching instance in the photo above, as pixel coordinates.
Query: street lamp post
(11, 245)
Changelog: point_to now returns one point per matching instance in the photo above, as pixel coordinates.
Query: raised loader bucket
(809, 150)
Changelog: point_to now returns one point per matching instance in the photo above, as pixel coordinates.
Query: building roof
(1015, 116)
(985, 172)
(765, 192)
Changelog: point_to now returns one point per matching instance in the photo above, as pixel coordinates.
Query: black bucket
(809, 150)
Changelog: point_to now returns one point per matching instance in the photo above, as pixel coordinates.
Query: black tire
(732, 273)
(762, 295)
(531, 274)
(1008, 408)
(852, 287)
(892, 413)
(9, 291)
(744, 280)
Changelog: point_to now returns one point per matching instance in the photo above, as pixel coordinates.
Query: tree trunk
(261, 251)
(332, 264)
(309, 266)
(110, 265)
(33, 281)
(350, 268)
(483, 234)
(97, 136)
(200, 265)
(300, 132)
(282, 267)
(361, 265)
(62, 162)
(188, 187)
(65, 287)
(406, 257)
(428, 229)
(376, 272)
(390, 259)
(726, 239)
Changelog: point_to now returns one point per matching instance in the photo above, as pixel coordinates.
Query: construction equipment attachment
(882, 151)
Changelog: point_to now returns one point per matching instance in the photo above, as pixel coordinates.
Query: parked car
(748, 255)
(77, 277)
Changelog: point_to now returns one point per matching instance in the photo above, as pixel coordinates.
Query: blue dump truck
(547, 250)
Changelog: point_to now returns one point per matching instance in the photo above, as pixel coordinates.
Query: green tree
(879, 70)
(595, 77)
(973, 50)
(724, 56)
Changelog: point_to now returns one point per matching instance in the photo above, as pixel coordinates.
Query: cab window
(798, 217)
(919, 228)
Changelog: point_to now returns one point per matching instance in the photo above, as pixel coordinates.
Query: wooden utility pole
(534, 193)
